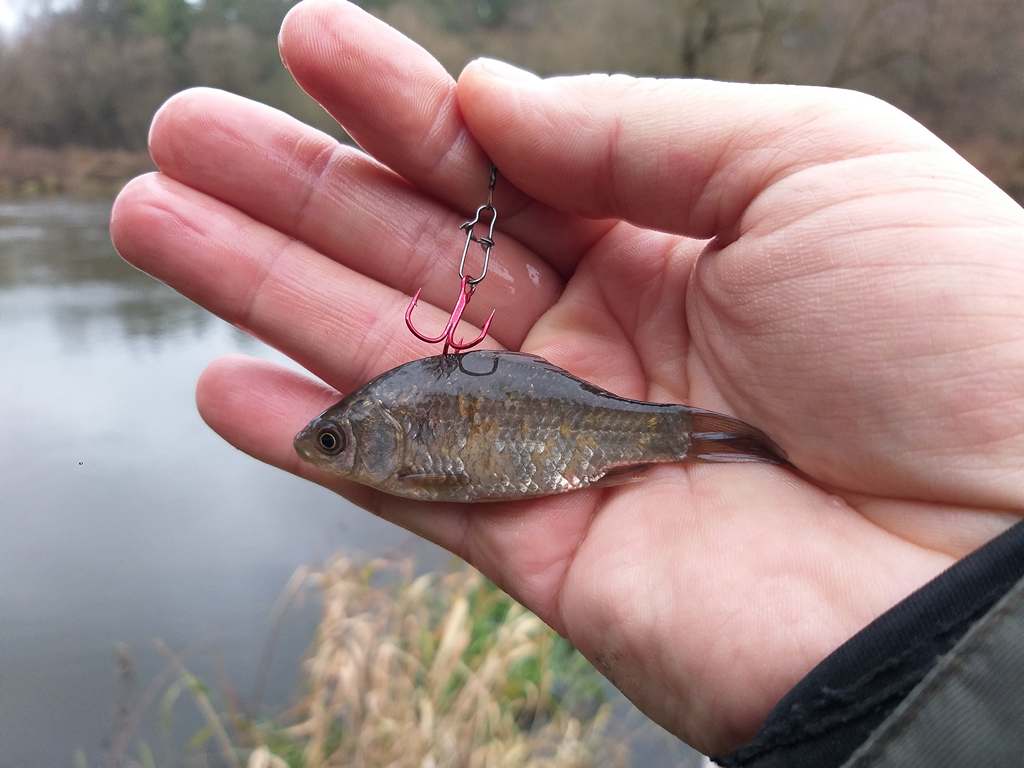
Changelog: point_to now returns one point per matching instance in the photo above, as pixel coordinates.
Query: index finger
(399, 103)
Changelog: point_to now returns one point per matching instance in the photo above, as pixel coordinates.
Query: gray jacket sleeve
(969, 710)
(937, 680)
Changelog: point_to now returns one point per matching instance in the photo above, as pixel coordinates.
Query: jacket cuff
(840, 702)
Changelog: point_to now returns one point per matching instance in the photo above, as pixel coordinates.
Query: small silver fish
(500, 426)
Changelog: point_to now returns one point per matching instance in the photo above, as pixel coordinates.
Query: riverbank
(29, 171)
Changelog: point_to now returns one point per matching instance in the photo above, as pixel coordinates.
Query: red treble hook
(448, 334)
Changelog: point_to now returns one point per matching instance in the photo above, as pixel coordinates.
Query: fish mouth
(303, 445)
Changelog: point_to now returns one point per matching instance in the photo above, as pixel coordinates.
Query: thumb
(687, 156)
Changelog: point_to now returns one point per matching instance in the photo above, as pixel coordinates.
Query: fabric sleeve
(837, 707)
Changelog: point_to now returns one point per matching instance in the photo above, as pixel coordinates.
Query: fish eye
(330, 441)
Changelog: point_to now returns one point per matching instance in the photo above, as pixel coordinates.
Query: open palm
(811, 261)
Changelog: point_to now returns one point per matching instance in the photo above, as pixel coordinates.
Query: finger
(687, 156)
(525, 547)
(337, 200)
(399, 103)
(341, 325)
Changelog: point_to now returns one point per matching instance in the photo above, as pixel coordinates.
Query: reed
(435, 670)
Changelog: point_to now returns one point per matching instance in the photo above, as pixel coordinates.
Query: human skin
(810, 260)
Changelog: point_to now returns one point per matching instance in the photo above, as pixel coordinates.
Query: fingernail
(505, 71)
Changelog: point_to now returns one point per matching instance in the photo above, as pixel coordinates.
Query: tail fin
(715, 437)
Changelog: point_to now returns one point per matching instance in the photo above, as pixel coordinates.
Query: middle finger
(397, 101)
(343, 204)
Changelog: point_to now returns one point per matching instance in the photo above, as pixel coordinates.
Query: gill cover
(378, 439)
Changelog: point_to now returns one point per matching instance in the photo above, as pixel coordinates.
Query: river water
(124, 520)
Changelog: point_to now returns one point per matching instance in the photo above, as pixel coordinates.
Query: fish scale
(489, 426)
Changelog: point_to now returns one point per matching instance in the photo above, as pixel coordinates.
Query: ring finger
(343, 326)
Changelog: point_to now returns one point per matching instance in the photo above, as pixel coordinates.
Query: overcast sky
(6, 15)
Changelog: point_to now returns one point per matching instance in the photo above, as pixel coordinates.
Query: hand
(860, 299)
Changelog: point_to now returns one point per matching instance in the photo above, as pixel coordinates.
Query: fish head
(358, 440)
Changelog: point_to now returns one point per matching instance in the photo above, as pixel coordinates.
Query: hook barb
(461, 345)
(412, 328)
(447, 335)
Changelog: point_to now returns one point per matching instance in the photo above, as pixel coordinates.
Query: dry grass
(439, 670)
(432, 671)
(442, 670)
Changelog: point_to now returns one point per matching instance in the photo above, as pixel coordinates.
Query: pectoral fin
(630, 473)
(430, 478)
